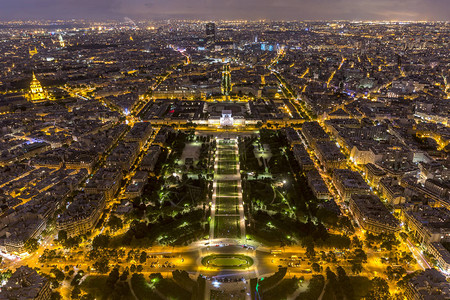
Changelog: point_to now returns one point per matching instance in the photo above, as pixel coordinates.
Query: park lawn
(227, 155)
(228, 261)
(96, 286)
(227, 169)
(171, 290)
(142, 289)
(227, 227)
(360, 285)
(282, 291)
(262, 240)
(227, 205)
(227, 188)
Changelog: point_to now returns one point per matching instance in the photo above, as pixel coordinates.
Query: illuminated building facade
(226, 119)
(37, 93)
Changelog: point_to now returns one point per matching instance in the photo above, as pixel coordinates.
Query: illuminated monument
(226, 119)
(37, 93)
(226, 80)
(32, 52)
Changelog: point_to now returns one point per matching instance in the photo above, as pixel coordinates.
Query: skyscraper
(211, 31)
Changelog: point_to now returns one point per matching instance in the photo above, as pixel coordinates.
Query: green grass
(227, 156)
(96, 286)
(227, 205)
(227, 188)
(361, 285)
(227, 261)
(227, 169)
(227, 227)
(171, 290)
(142, 288)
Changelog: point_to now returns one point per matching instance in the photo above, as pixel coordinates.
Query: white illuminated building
(226, 119)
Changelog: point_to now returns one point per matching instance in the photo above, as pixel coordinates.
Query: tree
(31, 245)
(76, 292)
(310, 252)
(315, 267)
(345, 283)
(341, 273)
(113, 277)
(356, 267)
(356, 243)
(360, 255)
(133, 268)
(76, 279)
(102, 265)
(333, 284)
(55, 296)
(330, 274)
(59, 275)
(379, 290)
(72, 242)
(124, 275)
(62, 236)
(115, 223)
(143, 257)
(88, 297)
(101, 241)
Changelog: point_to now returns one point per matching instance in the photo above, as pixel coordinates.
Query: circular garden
(227, 261)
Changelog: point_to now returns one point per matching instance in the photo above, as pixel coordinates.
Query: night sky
(227, 9)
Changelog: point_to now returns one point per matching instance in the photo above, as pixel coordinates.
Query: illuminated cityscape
(241, 159)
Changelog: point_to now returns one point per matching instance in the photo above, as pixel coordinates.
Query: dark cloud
(228, 9)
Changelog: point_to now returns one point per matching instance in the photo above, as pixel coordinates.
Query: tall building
(211, 31)
(62, 44)
(37, 93)
(226, 80)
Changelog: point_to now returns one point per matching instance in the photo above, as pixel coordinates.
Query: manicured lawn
(227, 168)
(227, 155)
(227, 261)
(96, 286)
(360, 285)
(227, 188)
(227, 205)
(227, 227)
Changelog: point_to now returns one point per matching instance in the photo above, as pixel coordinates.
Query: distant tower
(32, 51)
(399, 60)
(211, 31)
(62, 44)
(37, 93)
(226, 80)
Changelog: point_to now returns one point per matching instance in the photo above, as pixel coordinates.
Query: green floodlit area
(227, 227)
(227, 261)
(227, 218)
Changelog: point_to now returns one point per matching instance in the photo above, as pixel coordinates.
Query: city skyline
(216, 160)
(404, 10)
